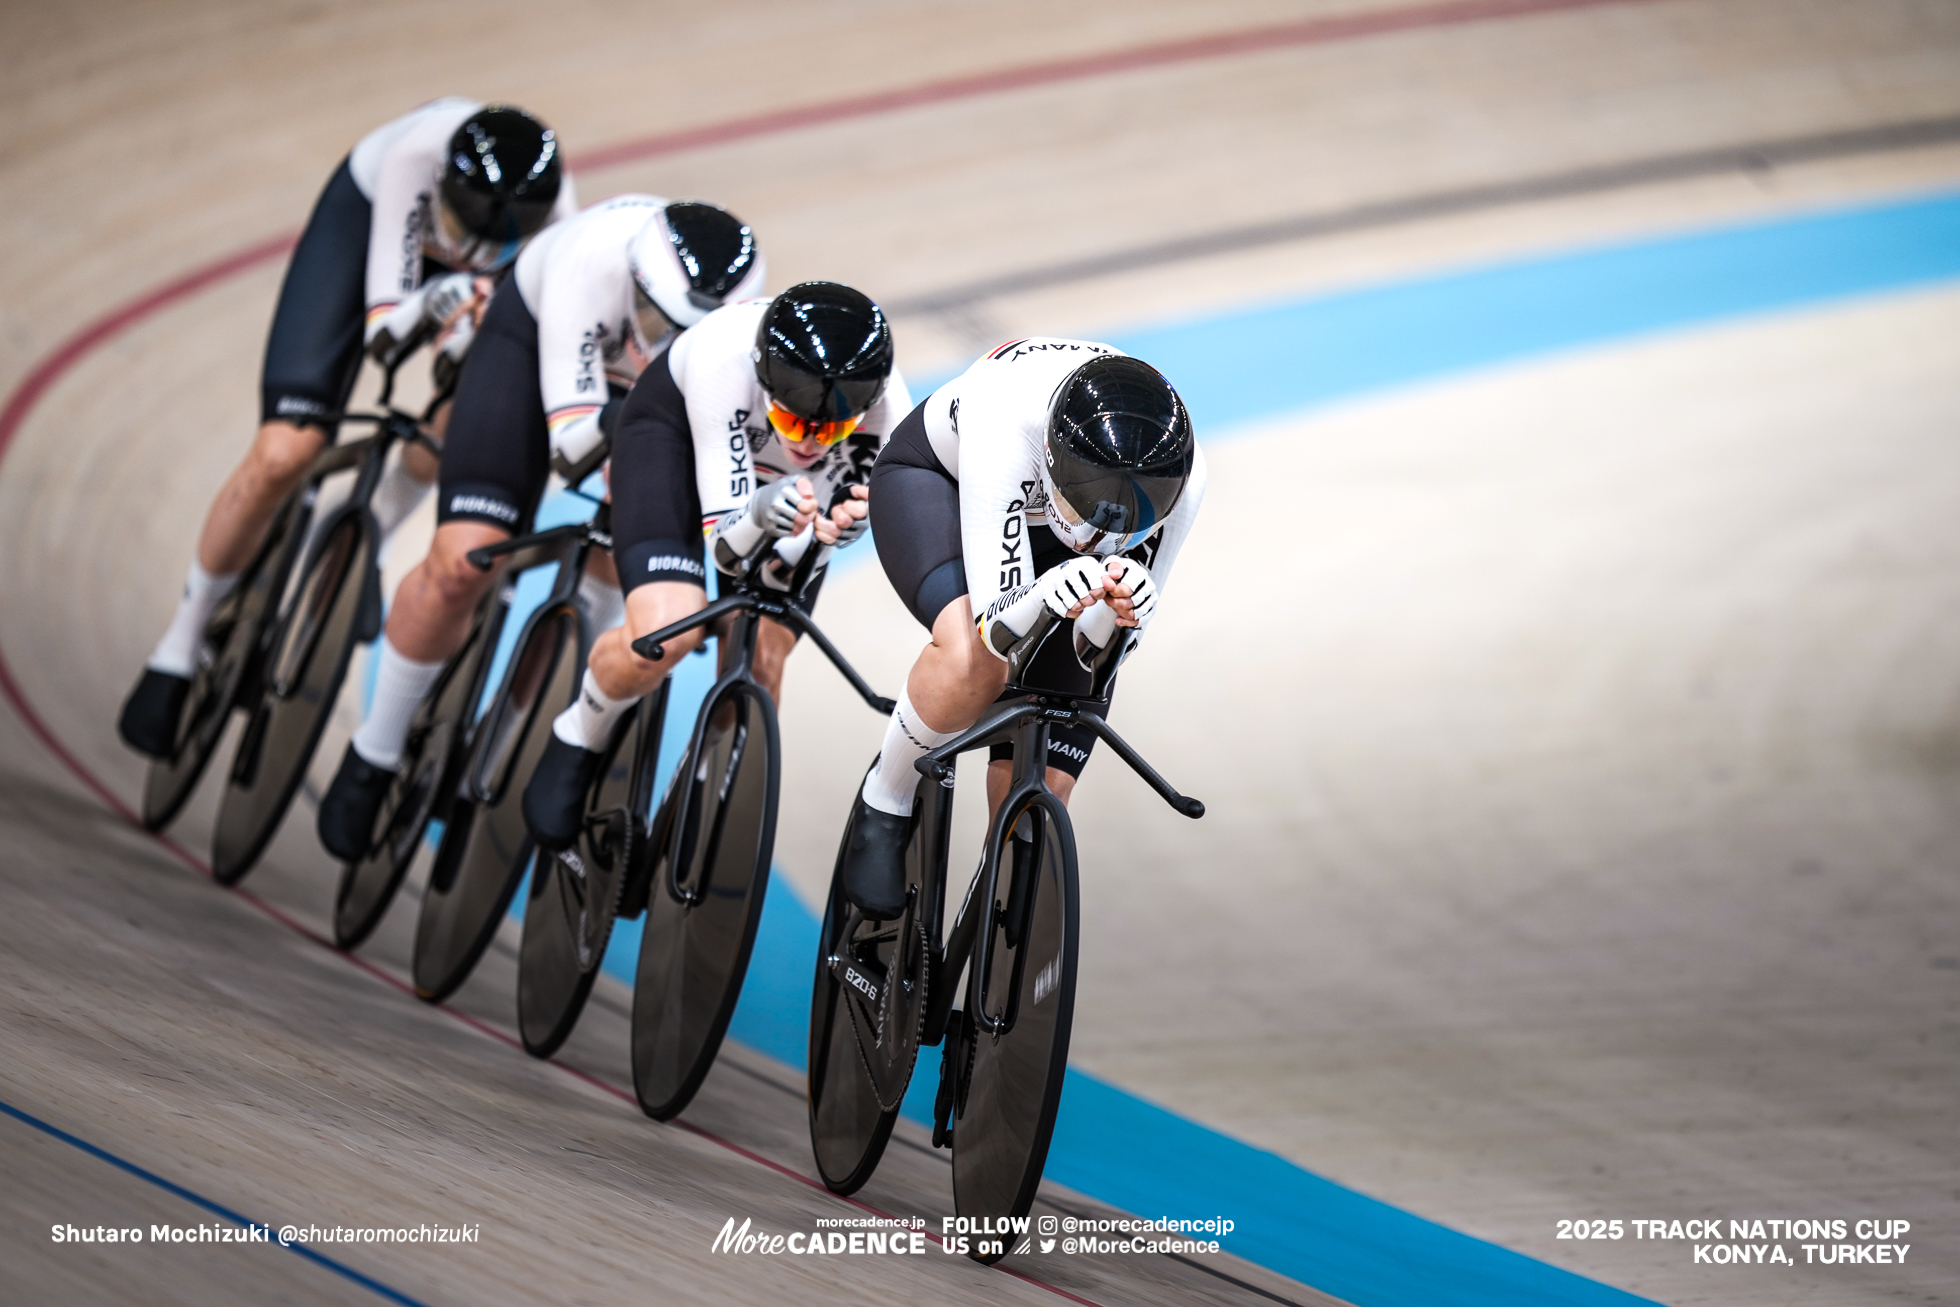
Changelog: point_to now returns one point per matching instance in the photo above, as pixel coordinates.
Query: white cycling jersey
(398, 167)
(575, 278)
(989, 428)
(735, 448)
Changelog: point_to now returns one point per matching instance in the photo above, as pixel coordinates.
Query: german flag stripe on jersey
(567, 415)
(1009, 345)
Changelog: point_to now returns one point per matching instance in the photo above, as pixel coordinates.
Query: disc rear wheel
(573, 902)
(485, 846)
(867, 1016)
(299, 682)
(705, 899)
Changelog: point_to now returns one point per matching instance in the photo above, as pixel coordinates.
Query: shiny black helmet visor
(1123, 503)
(502, 176)
(1119, 446)
(823, 352)
(816, 398)
(714, 248)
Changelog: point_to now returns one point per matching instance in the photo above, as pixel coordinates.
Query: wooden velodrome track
(1581, 738)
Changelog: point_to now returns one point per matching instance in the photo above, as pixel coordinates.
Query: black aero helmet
(823, 352)
(691, 259)
(1119, 450)
(502, 174)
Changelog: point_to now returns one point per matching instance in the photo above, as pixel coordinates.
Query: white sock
(176, 653)
(400, 685)
(588, 722)
(604, 605)
(893, 783)
(396, 497)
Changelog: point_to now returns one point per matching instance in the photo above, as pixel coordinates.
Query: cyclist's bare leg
(953, 682)
(955, 677)
(420, 463)
(623, 674)
(435, 602)
(239, 517)
(1000, 772)
(772, 645)
(599, 566)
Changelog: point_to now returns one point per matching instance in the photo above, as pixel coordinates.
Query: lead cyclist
(1053, 480)
(453, 187)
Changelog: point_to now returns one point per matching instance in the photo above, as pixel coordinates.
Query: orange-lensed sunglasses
(791, 427)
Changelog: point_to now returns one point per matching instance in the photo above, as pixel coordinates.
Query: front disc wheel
(1010, 1085)
(485, 844)
(706, 899)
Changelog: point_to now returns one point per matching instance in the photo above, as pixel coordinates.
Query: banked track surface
(14, 416)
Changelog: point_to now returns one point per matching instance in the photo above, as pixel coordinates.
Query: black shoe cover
(554, 801)
(347, 812)
(874, 865)
(149, 716)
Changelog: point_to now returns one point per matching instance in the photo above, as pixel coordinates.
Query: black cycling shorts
(313, 351)
(657, 532)
(496, 456)
(915, 518)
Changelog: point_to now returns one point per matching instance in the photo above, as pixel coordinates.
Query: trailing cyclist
(590, 300)
(452, 187)
(758, 429)
(1054, 479)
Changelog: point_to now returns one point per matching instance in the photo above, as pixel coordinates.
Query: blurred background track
(1582, 832)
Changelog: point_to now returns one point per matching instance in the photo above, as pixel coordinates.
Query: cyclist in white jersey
(1054, 480)
(452, 187)
(757, 429)
(590, 300)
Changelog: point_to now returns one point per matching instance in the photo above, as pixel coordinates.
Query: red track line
(52, 367)
(1313, 31)
(1317, 31)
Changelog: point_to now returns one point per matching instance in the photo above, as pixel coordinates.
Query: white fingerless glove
(769, 514)
(1015, 615)
(432, 303)
(1143, 590)
(444, 297)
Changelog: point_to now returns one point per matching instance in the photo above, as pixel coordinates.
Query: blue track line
(1274, 361)
(1270, 361)
(198, 1200)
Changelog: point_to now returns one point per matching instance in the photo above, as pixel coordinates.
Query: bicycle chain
(892, 979)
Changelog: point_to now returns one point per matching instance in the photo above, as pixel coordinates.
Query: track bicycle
(440, 736)
(698, 870)
(884, 989)
(486, 846)
(279, 645)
